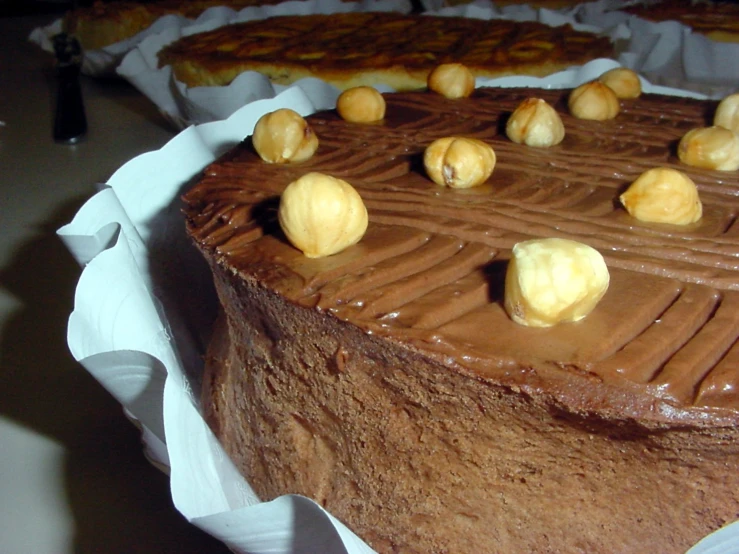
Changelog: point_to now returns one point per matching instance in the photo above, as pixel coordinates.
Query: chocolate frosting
(661, 345)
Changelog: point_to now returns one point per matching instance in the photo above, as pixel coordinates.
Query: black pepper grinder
(70, 122)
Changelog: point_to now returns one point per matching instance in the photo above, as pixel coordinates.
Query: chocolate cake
(388, 383)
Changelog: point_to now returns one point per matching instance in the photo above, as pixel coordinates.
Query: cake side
(416, 457)
(349, 49)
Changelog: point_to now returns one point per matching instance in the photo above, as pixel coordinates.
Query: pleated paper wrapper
(678, 56)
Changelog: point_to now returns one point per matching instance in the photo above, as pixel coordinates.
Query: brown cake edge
(416, 457)
(194, 73)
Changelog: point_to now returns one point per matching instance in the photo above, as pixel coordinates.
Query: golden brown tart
(388, 383)
(105, 23)
(351, 49)
(717, 20)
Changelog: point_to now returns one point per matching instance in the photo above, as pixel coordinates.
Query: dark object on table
(70, 121)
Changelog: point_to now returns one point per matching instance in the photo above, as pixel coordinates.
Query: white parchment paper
(143, 305)
(678, 56)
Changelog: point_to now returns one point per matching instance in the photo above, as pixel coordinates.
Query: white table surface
(73, 477)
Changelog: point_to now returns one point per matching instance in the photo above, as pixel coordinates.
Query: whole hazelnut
(595, 101)
(535, 123)
(710, 148)
(623, 81)
(452, 80)
(284, 136)
(553, 280)
(663, 195)
(459, 162)
(361, 105)
(322, 215)
(727, 113)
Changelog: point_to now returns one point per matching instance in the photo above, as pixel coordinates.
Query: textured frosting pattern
(662, 344)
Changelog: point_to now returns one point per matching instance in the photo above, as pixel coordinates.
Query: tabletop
(73, 476)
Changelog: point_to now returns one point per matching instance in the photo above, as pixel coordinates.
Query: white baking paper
(141, 319)
(678, 57)
(104, 61)
(517, 11)
(135, 330)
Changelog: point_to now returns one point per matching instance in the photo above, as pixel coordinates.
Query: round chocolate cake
(388, 383)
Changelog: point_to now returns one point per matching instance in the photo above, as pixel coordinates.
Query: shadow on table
(118, 500)
(129, 98)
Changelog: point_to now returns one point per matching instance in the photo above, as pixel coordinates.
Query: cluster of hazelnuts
(322, 215)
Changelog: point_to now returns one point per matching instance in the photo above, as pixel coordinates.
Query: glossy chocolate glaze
(661, 346)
